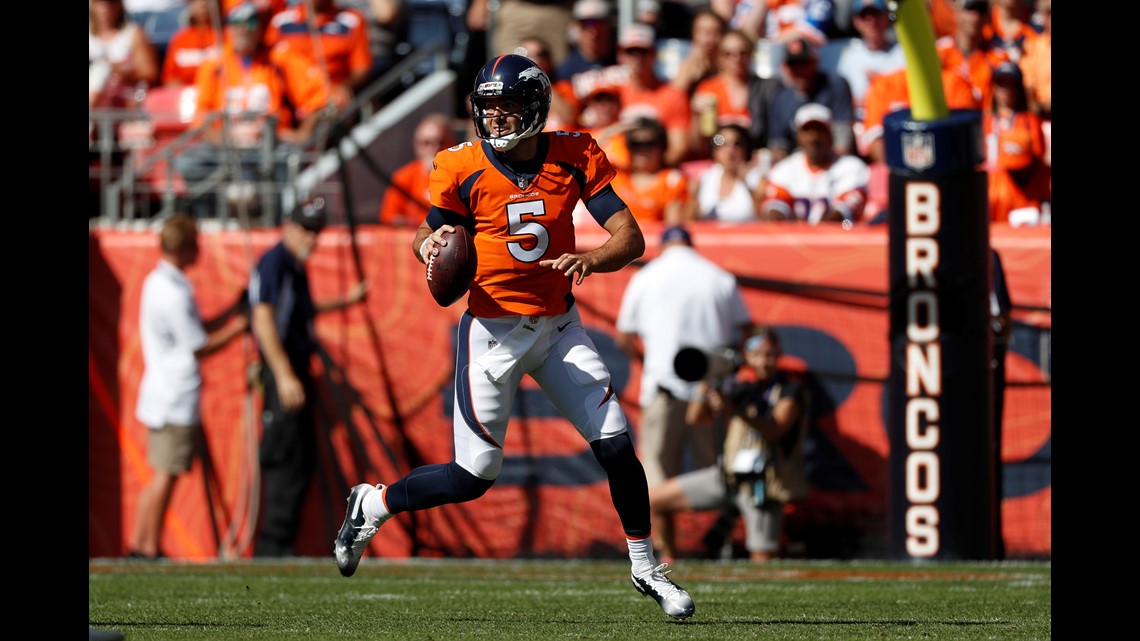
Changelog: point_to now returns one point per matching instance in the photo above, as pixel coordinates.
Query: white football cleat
(356, 531)
(672, 598)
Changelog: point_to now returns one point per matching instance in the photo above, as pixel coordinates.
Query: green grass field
(537, 600)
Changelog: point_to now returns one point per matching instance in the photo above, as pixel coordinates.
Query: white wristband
(422, 245)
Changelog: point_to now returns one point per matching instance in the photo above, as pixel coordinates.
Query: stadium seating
(432, 20)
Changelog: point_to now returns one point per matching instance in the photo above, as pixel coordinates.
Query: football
(449, 274)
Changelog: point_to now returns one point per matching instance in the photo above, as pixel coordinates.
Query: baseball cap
(812, 112)
(1007, 69)
(798, 50)
(311, 215)
(243, 12)
(592, 10)
(676, 233)
(859, 5)
(637, 36)
(1014, 149)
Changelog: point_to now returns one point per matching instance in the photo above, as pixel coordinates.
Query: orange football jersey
(977, 67)
(342, 36)
(228, 83)
(1006, 194)
(188, 49)
(889, 92)
(518, 223)
(648, 204)
(726, 110)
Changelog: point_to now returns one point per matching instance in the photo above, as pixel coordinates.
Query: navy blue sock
(628, 487)
(430, 486)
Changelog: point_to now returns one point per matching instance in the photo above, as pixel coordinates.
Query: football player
(516, 190)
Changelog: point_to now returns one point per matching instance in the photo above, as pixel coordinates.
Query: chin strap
(504, 144)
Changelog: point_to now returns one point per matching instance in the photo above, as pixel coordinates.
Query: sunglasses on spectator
(643, 145)
(592, 23)
(250, 23)
(636, 51)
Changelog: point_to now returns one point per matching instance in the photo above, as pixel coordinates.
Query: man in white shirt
(173, 338)
(679, 299)
(815, 184)
(875, 51)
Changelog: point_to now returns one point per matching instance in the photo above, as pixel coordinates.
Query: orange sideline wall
(385, 401)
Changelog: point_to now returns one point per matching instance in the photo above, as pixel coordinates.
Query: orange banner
(385, 398)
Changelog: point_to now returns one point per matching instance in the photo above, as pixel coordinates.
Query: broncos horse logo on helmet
(516, 77)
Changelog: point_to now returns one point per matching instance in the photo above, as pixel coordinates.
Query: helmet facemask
(515, 78)
(532, 119)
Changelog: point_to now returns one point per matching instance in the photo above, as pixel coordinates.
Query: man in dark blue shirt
(807, 82)
(282, 314)
(595, 46)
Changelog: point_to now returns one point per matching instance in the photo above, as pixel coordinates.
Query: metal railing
(137, 175)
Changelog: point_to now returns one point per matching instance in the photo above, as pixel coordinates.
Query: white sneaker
(672, 598)
(356, 531)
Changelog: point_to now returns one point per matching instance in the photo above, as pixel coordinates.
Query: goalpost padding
(943, 493)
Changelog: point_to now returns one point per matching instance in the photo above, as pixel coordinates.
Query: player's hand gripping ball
(449, 274)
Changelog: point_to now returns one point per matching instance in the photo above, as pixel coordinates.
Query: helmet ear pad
(515, 77)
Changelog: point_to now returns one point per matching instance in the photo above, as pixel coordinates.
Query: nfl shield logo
(918, 149)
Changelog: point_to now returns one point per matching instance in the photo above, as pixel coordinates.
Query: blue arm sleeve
(437, 217)
(604, 204)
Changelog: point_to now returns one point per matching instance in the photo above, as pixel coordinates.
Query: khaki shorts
(665, 438)
(171, 448)
(705, 489)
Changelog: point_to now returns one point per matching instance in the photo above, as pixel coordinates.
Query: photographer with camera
(763, 466)
(679, 299)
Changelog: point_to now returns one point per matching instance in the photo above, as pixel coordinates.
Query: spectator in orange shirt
(250, 85)
(723, 98)
(340, 48)
(193, 44)
(889, 92)
(1020, 184)
(601, 117)
(406, 200)
(642, 91)
(1019, 180)
(1009, 27)
(653, 191)
(646, 94)
(970, 52)
(943, 17)
(1036, 65)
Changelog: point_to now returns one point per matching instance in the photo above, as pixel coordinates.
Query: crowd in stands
(738, 87)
